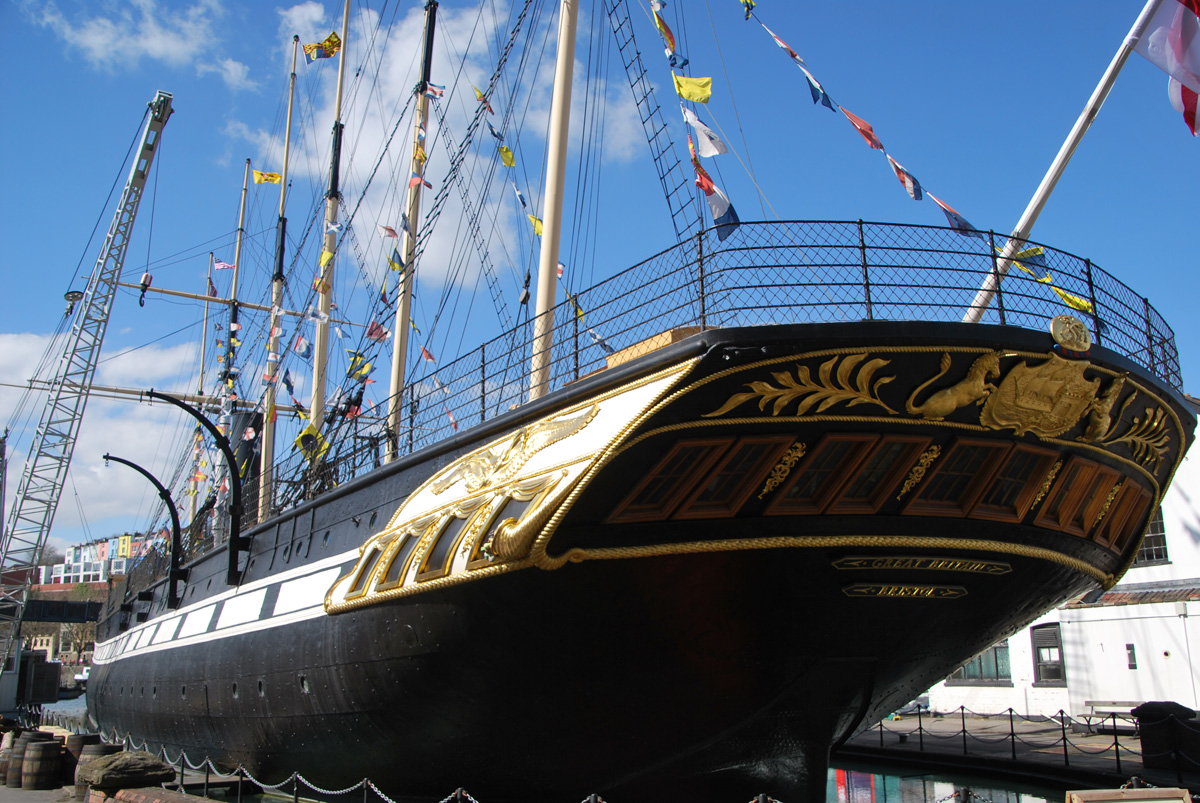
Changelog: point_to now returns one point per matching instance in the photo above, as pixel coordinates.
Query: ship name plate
(970, 565)
(904, 590)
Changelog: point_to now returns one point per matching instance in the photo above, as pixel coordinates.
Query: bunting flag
(784, 45)
(416, 179)
(749, 6)
(360, 367)
(575, 304)
(506, 156)
(377, 333)
(674, 58)
(334, 227)
(434, 91)
(724, 215)
(1172, 41)
(561, 268)
(220, 344)
(395, 261)
(707, 142)
(276, 331)
(301, 410)
(698, 90)
(287, 382)
(199, 477)
(311, 444)
(437, 383)
(426, 356)
(272, 415)
(219, 265)
(234, 341)
(601, 342)
(383, 292)
(321, 285)
(266, 178)
(479, 96)
(302, 348)
(1073, 301)
(413, 325)
(450, 415)
(234, 326)
(323, 49)
(421, 134)
(313, 314)
(819, 95)
(911, 185)
(338, 331)
(420, 155)
(537, 223)
(212, 289)
(326, 258)
(957, 221)
(492, 130)
(268, 379)
(1184, 102)
(864, 128)
(520, 197)
(386, 231)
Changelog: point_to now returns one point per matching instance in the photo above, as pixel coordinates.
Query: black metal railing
(765, 273)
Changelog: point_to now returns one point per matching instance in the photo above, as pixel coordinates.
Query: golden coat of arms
(1046, 399)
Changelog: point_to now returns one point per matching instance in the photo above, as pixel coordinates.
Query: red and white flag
(1172, 41)
(425, 355)
(377, 333)
(1184, 101)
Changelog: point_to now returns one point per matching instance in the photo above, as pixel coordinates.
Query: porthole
(303, 683)
(183, 691)
(250, 565)
(262, 692)
(325, 540)
(374, 517)
(154, 692)
(287, 553)
(142, 691)
(209, 584)
(235, 691)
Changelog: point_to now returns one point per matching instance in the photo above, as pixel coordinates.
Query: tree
(81, 634)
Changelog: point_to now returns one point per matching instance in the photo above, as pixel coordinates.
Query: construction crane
(42, 480)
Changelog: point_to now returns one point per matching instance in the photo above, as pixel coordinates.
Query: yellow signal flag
(267, 178)
(537, 224)
(326, 258)
(311, 444)
(694, 89)
(1073, 301)
(506, 156)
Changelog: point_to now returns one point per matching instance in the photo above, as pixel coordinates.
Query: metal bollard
(1012, 734)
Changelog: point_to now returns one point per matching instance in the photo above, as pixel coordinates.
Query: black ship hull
(790, 532)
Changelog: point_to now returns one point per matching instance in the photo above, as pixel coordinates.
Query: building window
(1154, 545)
(1048, 666)
(989, 668)
(1131, 654)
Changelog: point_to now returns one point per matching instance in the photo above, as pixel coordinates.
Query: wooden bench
(1100, 711)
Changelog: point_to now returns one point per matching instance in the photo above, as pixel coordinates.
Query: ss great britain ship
(773, 488)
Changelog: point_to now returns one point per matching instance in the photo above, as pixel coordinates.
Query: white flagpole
(1016, 240)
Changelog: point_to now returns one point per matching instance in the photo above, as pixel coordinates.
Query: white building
(1137, 642)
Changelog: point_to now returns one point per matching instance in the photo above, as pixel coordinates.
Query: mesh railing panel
(762, 274)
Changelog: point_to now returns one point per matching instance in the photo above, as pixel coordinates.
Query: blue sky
(974, 99)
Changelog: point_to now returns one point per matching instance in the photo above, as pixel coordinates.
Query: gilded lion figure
(973, 388)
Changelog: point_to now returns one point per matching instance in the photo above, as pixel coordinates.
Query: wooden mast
(560, 115)
(267, 447)
(403, 314)
(324, 281)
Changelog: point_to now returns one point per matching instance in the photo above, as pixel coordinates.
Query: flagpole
(408, 271)
(325, 272)
(1016, 240)
(267, 448)
(204, 331)
(560, 115)
(196, 437)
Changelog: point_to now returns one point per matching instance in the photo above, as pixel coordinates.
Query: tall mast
(267, 447)
(229, 374)
(329, 244)
(560, 115)
(403, 315)
(197, 437)
(1016, 240)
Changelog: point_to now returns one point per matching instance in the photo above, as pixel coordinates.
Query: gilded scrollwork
(817, 395)
(1148, 437)
(1046, 399)
(1046, 483)
(781, 470)
(918, 471)
(973, 388)
(1100, 422)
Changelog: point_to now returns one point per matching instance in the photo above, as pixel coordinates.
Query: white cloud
(126, 33)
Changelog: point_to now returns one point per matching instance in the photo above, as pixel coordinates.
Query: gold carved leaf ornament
(821, 393)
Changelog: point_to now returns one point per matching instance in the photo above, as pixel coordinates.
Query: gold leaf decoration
(827, 390)
(783, 468)
(1148, 439)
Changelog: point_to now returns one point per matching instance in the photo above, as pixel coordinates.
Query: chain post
(1062, 723)
(1116, 739)
(920, 730)
(1012, 734)
(862, 250)
(366, 788)
(207, 767)
(962, 714)
(181, 754)
(239, 783)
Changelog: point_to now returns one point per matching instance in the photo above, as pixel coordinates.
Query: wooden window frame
(690, 508)
(781, 505)
(1131, 507)
(981, 510)
(842, 506)
(716, 447)
(919, 506)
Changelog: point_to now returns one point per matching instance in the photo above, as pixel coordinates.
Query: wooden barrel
(89, 752)
(5, 752)
(70, 758)
(12, 778)
(39, 768)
